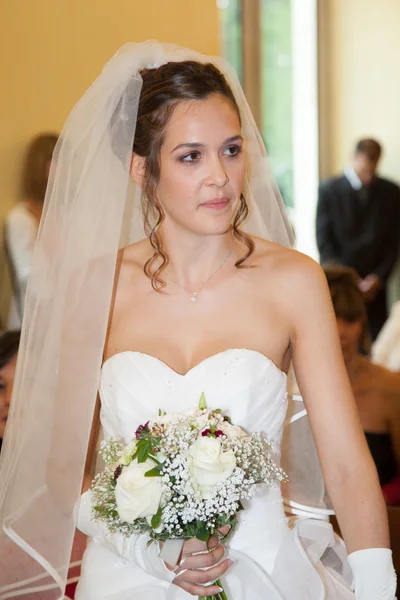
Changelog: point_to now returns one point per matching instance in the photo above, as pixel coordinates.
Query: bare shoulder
(289, 269)
(297, 286)
(131, 261)
(388, 382)
(130, 278)
(135, 255)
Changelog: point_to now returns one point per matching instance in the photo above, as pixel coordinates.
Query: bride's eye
(191, 157)
(233, 151)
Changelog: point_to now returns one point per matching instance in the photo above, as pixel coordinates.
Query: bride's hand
(192, 579)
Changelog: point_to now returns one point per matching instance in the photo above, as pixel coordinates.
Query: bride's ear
(138, 168)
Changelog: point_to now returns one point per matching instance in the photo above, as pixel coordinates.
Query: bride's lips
(216, 203)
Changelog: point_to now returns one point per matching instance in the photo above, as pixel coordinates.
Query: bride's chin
(217, 229)
(217, 225)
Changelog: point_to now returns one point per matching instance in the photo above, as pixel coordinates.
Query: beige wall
(360, 80)
(51, 50)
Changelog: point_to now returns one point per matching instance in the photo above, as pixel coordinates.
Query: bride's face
(202, 166)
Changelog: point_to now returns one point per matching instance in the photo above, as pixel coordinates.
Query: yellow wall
(51, 50)
(360, 78)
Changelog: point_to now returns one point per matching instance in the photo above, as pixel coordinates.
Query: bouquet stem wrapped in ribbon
(184, 475)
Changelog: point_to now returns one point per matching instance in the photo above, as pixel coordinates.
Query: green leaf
(203, 534)
(144, 449)
(156, 519)
(191, 530)
(202, 402)
(155, 472)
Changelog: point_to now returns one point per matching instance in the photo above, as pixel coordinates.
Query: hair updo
(347, 299)
(163, 89)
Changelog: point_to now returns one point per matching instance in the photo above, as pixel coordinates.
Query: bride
(212, 299)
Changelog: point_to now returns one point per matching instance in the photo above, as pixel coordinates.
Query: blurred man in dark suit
(358, 225)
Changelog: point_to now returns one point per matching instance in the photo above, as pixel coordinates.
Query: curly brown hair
(163, 89)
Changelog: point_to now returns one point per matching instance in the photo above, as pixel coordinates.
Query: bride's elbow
(354, 472)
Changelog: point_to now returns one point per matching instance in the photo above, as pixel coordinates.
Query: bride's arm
(347, 465)
(349, 472)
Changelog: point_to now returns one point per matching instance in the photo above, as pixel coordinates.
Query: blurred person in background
(9, 343)
(375, 388)
(358, 225)
(23, 220)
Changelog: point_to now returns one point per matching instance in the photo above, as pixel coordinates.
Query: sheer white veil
(91, 210)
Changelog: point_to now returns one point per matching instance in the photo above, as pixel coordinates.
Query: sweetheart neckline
(208, 358)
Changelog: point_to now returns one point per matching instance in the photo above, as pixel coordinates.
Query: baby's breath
(185, 512)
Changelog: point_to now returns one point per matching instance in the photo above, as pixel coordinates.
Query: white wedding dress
(272, 561)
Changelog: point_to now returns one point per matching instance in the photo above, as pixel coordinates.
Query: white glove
(374, 574)
(133, 549)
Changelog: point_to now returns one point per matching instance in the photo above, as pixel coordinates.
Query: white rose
(137, 496)
(127, 453)
(232, 431)
(208, 464)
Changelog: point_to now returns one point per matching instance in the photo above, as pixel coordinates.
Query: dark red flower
(216, 433)
(117, 472)
(142, 429)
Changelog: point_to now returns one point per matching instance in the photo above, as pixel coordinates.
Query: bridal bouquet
(183, 475)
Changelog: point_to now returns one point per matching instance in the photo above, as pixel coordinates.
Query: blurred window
(275, 77)
(276, 91)
(232, 33)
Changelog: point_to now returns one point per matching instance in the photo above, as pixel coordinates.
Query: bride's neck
(192, 257)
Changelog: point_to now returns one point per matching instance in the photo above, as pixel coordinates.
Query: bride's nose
(216, 173)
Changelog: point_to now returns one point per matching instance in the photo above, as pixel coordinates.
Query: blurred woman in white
(23, 220)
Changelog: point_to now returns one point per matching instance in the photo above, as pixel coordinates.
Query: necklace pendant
(194, 297)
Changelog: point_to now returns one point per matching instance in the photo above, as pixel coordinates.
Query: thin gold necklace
(195, 293)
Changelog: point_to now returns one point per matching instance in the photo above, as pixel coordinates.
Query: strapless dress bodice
(245, 384)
